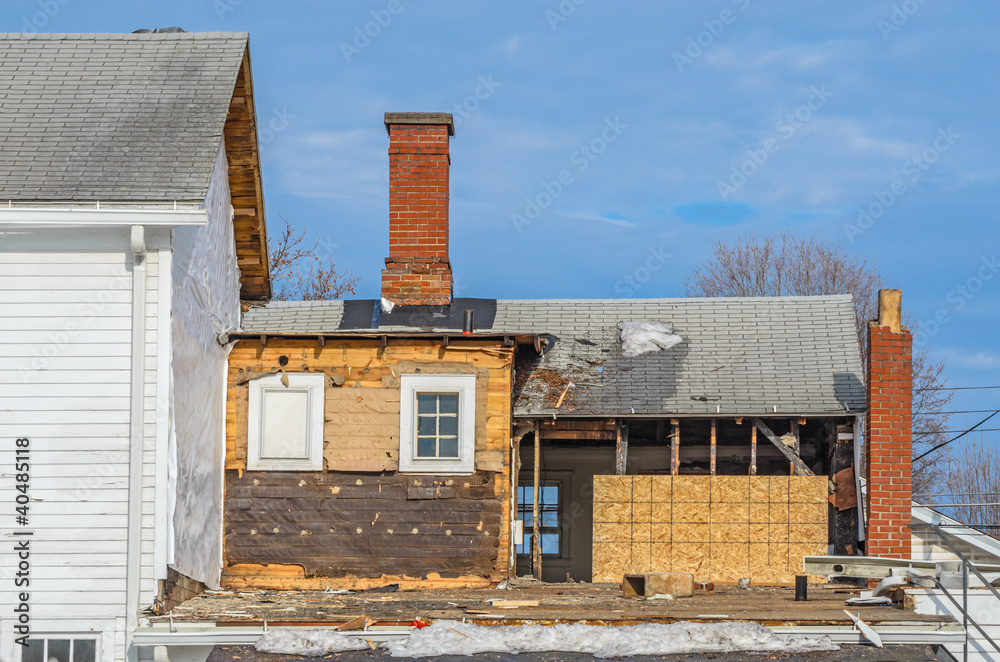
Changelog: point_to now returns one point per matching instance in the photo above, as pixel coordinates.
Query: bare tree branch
(788, 265)
(299, 274)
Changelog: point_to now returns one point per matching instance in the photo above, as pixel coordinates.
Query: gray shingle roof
(753, 356)
(113, 117)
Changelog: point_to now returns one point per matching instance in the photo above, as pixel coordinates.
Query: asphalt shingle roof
(113, 117)
(739, 356)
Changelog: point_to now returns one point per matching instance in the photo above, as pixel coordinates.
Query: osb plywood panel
(721, 528)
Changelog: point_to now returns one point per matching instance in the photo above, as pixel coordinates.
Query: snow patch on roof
(454, 638)
(644, 337)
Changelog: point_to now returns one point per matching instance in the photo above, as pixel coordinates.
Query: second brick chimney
(888, 430)
(418, 270)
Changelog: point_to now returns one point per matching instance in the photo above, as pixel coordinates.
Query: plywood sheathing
(361, 436)
(720, 528)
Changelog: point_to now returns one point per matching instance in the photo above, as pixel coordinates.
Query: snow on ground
(644, 337)
(311, 643)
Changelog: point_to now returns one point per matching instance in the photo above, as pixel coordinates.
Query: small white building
(131, 228)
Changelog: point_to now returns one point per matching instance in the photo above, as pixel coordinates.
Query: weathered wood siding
(358, 518)
(337, 524)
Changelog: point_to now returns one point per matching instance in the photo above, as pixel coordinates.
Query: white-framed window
(286, 423)
(61, 648)
(437, 424)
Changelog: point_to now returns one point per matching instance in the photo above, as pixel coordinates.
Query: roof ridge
(117, 36)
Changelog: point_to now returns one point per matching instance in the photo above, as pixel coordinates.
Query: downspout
(134, 539)
(862, 514)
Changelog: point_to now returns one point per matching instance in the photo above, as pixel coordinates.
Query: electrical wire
(963, 411)
(956, 438)
(954, 388)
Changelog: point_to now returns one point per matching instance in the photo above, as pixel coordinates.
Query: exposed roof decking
(755, 356)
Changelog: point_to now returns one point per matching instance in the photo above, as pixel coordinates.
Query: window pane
(284, 433)
(426, 425)
(549, 518)
(525, 496)
(448, 425)
(58, 650)
(426, 403)
(426, 447)
(448, 447)
(449, 403)
(84, 650)
(549, 495)
(550, 543)
(34, 652)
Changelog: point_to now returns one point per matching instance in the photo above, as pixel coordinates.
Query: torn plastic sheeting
(644, 337)
(454, 638)
(205, 301)
(311, 643)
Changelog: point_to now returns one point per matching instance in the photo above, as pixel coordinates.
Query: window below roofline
(285, 422)
(464, 387)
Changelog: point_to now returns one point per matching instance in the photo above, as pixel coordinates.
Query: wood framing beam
(713, 448)
(798, 444)
(753, 451)
(799, 467)
(621, 448)
(675, 446)
(536, 543)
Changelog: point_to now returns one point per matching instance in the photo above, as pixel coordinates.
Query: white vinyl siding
(65, 348)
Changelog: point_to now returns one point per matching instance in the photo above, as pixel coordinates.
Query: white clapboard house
(131, 228)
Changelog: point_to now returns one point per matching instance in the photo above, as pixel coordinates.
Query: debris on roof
(645, 337)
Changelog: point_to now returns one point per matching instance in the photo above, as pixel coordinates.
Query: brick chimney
(418, 271)
(888, 440)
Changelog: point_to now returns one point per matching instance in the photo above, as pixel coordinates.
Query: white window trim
(74, 636)
(465, 387)
(312, 382)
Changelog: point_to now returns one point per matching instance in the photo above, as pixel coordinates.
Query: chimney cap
(440, 119)
(890, 309)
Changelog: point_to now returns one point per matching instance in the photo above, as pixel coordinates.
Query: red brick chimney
(418, 271)
(888, 430)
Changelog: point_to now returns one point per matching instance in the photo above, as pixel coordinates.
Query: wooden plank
(713, 448)
(621, 448)
(800, 469)
(753, 451)
(536, 545)
(675, 446)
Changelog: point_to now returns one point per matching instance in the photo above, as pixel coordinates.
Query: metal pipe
(468, 321)
(801, 588)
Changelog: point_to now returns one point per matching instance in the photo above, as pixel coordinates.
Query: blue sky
(677, 122)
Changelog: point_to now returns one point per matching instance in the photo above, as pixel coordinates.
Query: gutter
(27, 218)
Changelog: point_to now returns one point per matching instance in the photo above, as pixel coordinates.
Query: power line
(963, 411)
(954, 388)
(942, 445)
(931, 434)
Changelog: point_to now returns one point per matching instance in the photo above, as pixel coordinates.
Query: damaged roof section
(734, 356)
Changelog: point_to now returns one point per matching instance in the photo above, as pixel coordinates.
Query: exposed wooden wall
(461, 521)
(721, 528)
